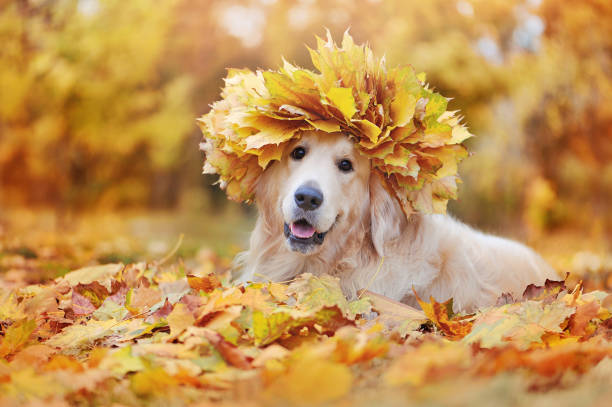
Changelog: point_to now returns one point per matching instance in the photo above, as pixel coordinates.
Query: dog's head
(323, 190)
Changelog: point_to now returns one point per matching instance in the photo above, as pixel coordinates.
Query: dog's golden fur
(435, 254)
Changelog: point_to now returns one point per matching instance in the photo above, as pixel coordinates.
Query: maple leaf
(73, 337)
(267, 328)
(324, 291)
(523, 323)
(142, 299)
(357, 346)
(81, 305)
(578, 323)
(441, 314)
(206, 283)
(394, 315)
(179, 319)
(110, 310)
(343, 99)
(102, 275)
(16, 336)
(10, 309)
(548, 292)
(230, 352)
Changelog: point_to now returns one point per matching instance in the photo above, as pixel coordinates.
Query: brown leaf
(206, 283)
(548, 292)
(95, 292)
(81, 305)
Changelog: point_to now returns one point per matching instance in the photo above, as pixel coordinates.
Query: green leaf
(314, 293)
(436, 106)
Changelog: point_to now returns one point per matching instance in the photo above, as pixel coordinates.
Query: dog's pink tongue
(302, 231)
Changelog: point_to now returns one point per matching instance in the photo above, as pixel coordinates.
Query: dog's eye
(345, 166)
(298, 153)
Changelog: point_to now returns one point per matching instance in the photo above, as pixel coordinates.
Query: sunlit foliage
(99, 97)
(153, 334)
(86, 106)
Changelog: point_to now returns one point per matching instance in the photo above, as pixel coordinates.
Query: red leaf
(230, 352)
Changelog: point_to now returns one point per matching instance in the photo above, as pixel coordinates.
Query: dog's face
(323, 187)
(322, 197)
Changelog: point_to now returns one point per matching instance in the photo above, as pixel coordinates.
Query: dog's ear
(267, 197)
(387, 220)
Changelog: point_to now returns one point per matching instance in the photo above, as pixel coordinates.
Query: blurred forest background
(98, 100)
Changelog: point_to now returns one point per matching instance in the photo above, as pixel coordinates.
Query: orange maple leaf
(454, 327)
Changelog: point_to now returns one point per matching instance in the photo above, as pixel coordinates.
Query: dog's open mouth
(302, 229)
(303, 232)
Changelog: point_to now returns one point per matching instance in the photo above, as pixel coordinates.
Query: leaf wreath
(401, 125)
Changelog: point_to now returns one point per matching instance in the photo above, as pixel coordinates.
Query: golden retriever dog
(322, 210)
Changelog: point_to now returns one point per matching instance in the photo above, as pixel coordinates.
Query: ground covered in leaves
(177, 332)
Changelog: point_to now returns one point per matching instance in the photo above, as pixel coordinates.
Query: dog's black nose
(308, 198)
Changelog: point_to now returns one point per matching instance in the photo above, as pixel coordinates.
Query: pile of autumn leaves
(144, 333)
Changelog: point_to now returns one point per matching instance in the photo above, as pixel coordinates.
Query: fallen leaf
(522, 323)
(205, 283)
(179, 319)
(584, 314)
(454, 328)
(230, 353)
(103, 275)
(548, 292)
(393, 313)
(311, 382)
(16, 336)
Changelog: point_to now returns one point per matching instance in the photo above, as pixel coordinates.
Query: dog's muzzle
(296, 234)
